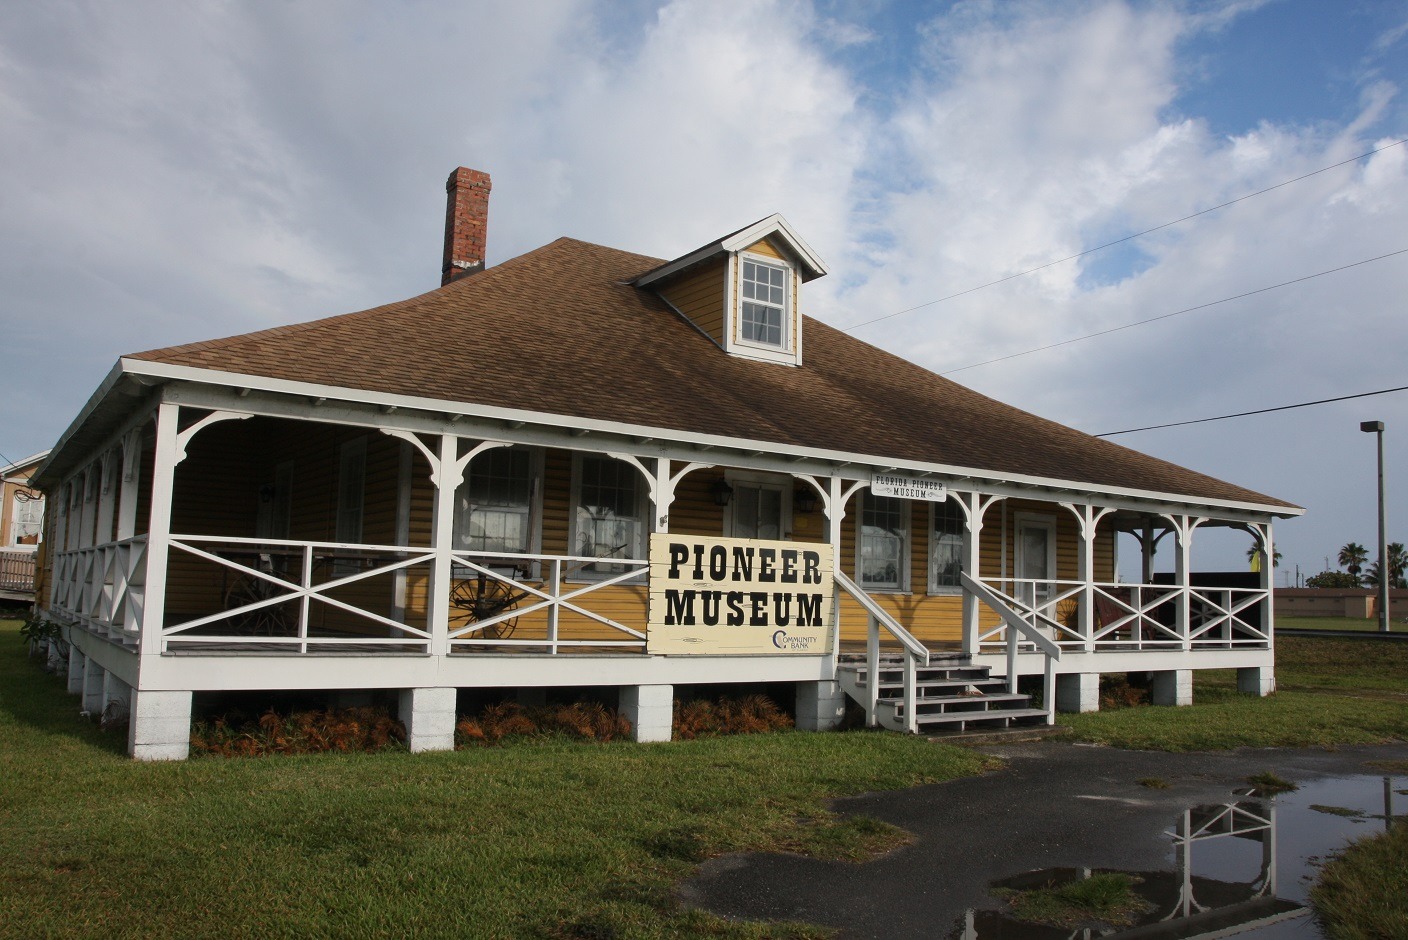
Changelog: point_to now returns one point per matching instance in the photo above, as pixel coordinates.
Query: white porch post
(1088, 520)
(107, 497)
(1261, 680)
(446, 474)
(58, 568)
(975, 507)
(88, 525)
(168, 455)
(131, 483)
(1183, 532)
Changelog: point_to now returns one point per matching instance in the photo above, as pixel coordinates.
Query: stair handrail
(916, 653)
(1016, 625)
(884, 618)
(1010, 616)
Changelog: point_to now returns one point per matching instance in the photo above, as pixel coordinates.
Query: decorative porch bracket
(171, 444)
(446, 473)
(661, 485)
(1183, 527)
(1088, 518)
(975, 506)
(1016, 625)
(834, 497)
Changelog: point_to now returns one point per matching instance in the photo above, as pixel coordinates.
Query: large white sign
(883, 484)
(718, 595)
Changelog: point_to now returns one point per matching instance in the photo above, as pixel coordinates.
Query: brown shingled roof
(560, 330)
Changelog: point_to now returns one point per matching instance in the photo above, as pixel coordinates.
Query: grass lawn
(1329, 692)
(1339, 623)
(544, 839)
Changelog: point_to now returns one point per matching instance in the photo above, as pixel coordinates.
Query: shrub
(587, 721)
(307, 732)
(1116, 691)
(749, 714)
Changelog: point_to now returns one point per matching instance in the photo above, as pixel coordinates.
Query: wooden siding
(699, 295)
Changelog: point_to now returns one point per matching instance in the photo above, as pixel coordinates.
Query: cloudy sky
(179, 171)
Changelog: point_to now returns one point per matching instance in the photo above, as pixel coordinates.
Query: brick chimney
(466, 224)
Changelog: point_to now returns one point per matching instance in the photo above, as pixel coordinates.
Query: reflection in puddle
(1242, 868)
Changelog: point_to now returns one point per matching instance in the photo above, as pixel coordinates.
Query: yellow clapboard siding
(765, 247)
(699, 295)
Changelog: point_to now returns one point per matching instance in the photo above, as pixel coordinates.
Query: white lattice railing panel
(1131, 616)
(270, 590)
(491, 593)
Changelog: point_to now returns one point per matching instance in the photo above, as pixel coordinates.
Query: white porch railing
(266, 594)
(916, 654)
(534, 584)
(261, 576)
(17, 570)
(1128, 617)
(102, 588)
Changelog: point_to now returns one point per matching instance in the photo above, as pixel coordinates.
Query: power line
(1259, 411)
(1165, 316)
(1118, 241)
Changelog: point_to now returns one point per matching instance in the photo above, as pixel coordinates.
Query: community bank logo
(782, 641)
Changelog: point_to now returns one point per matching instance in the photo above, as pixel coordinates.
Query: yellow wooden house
(482, 488)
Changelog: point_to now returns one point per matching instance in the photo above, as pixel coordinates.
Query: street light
(1377, 427)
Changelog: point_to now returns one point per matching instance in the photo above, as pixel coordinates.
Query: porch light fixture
(804, 499)
(1385, 575)
(721, 492)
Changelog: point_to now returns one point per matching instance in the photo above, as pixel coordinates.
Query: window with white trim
(763, 309)
(946, 547)
(28, 518)
(494, 503)
(882, 543)
(351, 490)
(609, 519)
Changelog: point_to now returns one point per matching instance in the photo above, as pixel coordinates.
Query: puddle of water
(1242, 869)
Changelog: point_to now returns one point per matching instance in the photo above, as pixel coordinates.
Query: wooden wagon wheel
(482, 597)
(266, 621)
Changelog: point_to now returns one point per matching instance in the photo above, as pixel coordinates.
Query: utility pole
(1385, 576)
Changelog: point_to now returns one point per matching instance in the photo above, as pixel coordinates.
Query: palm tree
(1353, 556)
(1256, 550)
(1397, 562)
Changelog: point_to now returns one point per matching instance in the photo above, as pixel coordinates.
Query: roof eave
(812, 265)
(153, 372)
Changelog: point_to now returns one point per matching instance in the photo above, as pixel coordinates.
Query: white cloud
(179, 172)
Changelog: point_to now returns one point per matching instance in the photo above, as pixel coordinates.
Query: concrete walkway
(1054, 805)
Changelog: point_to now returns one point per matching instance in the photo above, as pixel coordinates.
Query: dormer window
(763, 313)
(744, 290)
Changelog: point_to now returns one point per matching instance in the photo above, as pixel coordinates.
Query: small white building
(586, 467)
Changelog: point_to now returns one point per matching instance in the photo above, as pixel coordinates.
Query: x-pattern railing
(102, 587)
(1131, 616)
(270, 588)
(511, 575)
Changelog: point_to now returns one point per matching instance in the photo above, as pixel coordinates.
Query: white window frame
(642, 516)
(1034, 520)
(535, 502)
(276, 516)
(963, 535)
(785, 353)
(739, 478)
(27, 505)
(351, 460)
(906, 544)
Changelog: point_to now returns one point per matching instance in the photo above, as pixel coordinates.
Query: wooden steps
(952, 696)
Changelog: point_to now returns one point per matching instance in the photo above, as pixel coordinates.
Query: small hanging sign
(884, 484)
